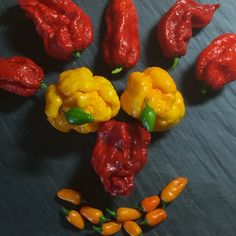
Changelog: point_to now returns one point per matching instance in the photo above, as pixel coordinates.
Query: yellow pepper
(78, 88)
(156, 90)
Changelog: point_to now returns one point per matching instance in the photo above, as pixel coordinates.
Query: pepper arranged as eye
(80, 101)
(152, 97)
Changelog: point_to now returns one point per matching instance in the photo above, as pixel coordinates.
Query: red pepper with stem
(216, 64)
(20, 75)
(175, 28)
(121, 45)
(119, 154)
(65, 28)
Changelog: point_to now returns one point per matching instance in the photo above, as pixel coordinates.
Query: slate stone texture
(36, 160)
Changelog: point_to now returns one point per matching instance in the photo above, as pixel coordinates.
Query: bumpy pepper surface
(78, 88)
(20, 75)
(121, 45)
(156, 88)
(175, 28)
(216, 64)
(64, 27)
(119, 154)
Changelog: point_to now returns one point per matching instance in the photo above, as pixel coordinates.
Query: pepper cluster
(151, 211)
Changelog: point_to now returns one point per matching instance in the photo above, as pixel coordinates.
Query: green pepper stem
(103, 219)
(175, 62)
(76, 54)
(148, 118)
(144, 222)
(164, 204)
(65, 211)
(203, 89)
(117, 70)
(97, 229)
(43, 85)
(112, 213)
(77, 116)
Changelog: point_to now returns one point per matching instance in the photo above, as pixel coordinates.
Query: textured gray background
(37, 160)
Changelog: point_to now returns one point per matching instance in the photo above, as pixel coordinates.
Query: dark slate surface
(37, 160)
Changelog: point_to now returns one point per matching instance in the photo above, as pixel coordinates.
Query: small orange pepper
(74, 218)
(149, 203)
(70, 195)
(93, 215)
(108, 228)
(172, 190)
(124, 214)
(154, 217)
(132, 228)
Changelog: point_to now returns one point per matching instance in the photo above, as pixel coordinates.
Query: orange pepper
(150, 203)
(154, 217)
(74, 218)
(108, 228)
(124, 214)
(132, 228)
(70, 195)
(172, 190)
(93, 215)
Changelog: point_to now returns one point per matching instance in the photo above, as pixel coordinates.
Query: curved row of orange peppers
(153, 207)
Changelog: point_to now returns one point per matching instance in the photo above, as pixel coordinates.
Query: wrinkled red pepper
(119, 154)
(64, 27)
(20, 75)
(216, 64)
(121, 45)
(175, 27)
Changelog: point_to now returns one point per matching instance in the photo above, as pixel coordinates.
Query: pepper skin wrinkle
(175, 28)
(20, 75)
(216, 64)
(64, 27)
(121, 44)
(119, 154)
(156, 88)
(78, 88)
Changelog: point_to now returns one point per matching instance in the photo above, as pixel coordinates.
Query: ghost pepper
(80, 96)
(121, 44)
(154, 88)
(216, 64)
(119, 154)
(175, 28)
(64, 27)
(20, 75)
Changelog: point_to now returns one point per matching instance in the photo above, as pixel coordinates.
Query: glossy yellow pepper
(156, 88)
(78, 88)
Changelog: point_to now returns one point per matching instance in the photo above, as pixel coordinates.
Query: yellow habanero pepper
(80, 93)
(153, 92)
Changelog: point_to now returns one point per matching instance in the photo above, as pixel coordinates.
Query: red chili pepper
(216, 64)
(120, 152)
(175, 27)
(64, 27)
(121, 45)
(20, 75)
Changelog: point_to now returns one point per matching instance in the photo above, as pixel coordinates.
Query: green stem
(103, 219)
(98, 229)
(148, 118)
(112, 213)
(76, 54)
(43, 85)
(144, 222)
(203, 89)
(117, 70)
(77, 116)
(65, 211)
(164, 204)
(175, 62)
